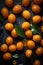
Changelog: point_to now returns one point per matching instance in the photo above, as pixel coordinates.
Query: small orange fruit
(39, 51)
(26, 14)
(9, 3)
(7, 56)
(11, 18)
(4, 48)
(42, 42)
(25, 25)
(36, 62)
(28, 34)
(19, 45)
(25, 42)
(38, 1)
(14, 34)
(30, 44)
(42, 28)
(17, 9)
(4, 12)
(0, 47)
(25, 3)
(42, 18)
(36, 8)
(37, 38)
(9, 26)
(28, 53)
(12, 48)
(36, 19)
(9, 40)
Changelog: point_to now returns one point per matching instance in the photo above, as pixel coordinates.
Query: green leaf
(15, 56)
(19, 31)
(34, 28)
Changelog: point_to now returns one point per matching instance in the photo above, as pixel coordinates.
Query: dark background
(4, 34)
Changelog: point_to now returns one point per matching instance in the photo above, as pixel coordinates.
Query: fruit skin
(36, 62)
(38, 1)
(30, 44)
(9, 40)
(28, 53)
(4, 48)
(36, 38)
(36, 19)
(25, 3)
(9, 26)
(28, 34)
(12, 48)
(6, 12)
(25, 25)
(42, 42)
(39, 51)
(19, 45)
(42, 18)
(11, 18)
(9, 3)
(13, 33)
(7, 56)
(42, 28)
(36, 8)
(17, 9)
(26, 14)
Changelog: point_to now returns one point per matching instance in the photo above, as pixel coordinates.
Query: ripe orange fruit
(9, 3)
(42, 18)
(4, 12)
(28, 53)
(36, 62)
(12, 48)
(42, 42)
(17, 9)
(37, 38)
(26, 14)
(25, 25)
(14, 34)
(11, 18)
(36, 8)
(7, 56)
(4, 48)
(25, 42)
(25, 3)
(38, 1)
(39, 51)
(9, 26)
(42, 28)
(19, 45)
(36, 19)
(29, 34)
(9, 40)
(30, 44)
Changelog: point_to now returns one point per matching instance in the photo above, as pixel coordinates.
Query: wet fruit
(26, 14)
(19, 45)
(9, 26)
(28, 53)
(17, 9)
(4, 48)
(30, 44)
(9, 40)
(7, 56)
(6, 12)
